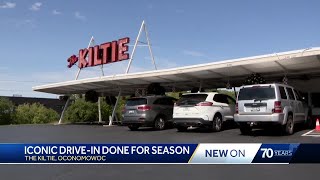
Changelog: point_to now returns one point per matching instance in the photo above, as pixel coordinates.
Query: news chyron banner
(203, 153)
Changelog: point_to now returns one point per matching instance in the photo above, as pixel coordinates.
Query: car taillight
(144, 108)
(237, 108)
(277, 107)
(204, 104)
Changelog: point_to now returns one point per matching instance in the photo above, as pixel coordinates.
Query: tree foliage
(174, 94)
(34, 113)
(254, 78)
(6, 111)
(85, 111)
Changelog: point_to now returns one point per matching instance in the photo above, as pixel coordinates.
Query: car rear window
(136, 101)
(221, 98)
(164, 101)
(257, 93)
(191, 99)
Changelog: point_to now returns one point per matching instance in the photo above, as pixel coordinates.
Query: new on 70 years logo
(275, 153)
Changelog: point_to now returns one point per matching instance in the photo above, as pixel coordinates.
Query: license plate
(131, 112)
(255, 109)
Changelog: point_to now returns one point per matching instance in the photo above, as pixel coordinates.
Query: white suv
(270, 104)
(205, 109)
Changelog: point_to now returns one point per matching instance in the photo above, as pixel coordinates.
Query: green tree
(121, 105)
(254, 78)
(6, 111)
(174, 94)
(84, 111)
(44, 115)
(35, 113)
(106, 110)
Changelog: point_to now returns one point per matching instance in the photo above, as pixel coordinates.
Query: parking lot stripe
(312, 133)
(305, 134)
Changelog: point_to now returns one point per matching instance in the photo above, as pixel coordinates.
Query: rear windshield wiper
(260, 99)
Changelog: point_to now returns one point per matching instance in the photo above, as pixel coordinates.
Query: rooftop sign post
(101, 54)
(106, 53)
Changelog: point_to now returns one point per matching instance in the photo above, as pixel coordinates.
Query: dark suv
(148, 111)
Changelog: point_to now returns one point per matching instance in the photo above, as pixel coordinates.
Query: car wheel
(217, 123)
(245, 129)
(133, 127)
(159, 123)
(288, 128)
(182, 129)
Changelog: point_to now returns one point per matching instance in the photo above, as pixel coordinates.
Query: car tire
(133, 127)
(288, 128)
(159, 123)
(245, 129)
(217, 123)
(182, 129)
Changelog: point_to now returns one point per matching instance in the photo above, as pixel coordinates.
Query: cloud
(4, 68)
(8, 5)
(162, 63)
(17, 83)
(90, 72)
(56, 12)
(36, 6)
(77, 15)
(22, 82)
(193, 53)
(18, 23)
(25, 23)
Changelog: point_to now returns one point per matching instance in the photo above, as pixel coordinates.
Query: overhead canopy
(300, 65)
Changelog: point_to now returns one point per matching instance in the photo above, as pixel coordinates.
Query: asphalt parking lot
(120, 134)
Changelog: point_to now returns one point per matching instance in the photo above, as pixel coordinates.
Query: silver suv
(149, 111)
(267, 104)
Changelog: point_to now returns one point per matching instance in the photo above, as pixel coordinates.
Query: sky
(38, 36)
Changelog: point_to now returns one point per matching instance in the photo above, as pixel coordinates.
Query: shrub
(106, 111)
(6, 111)
(84, 111)
(34, 113)
(121, 105)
